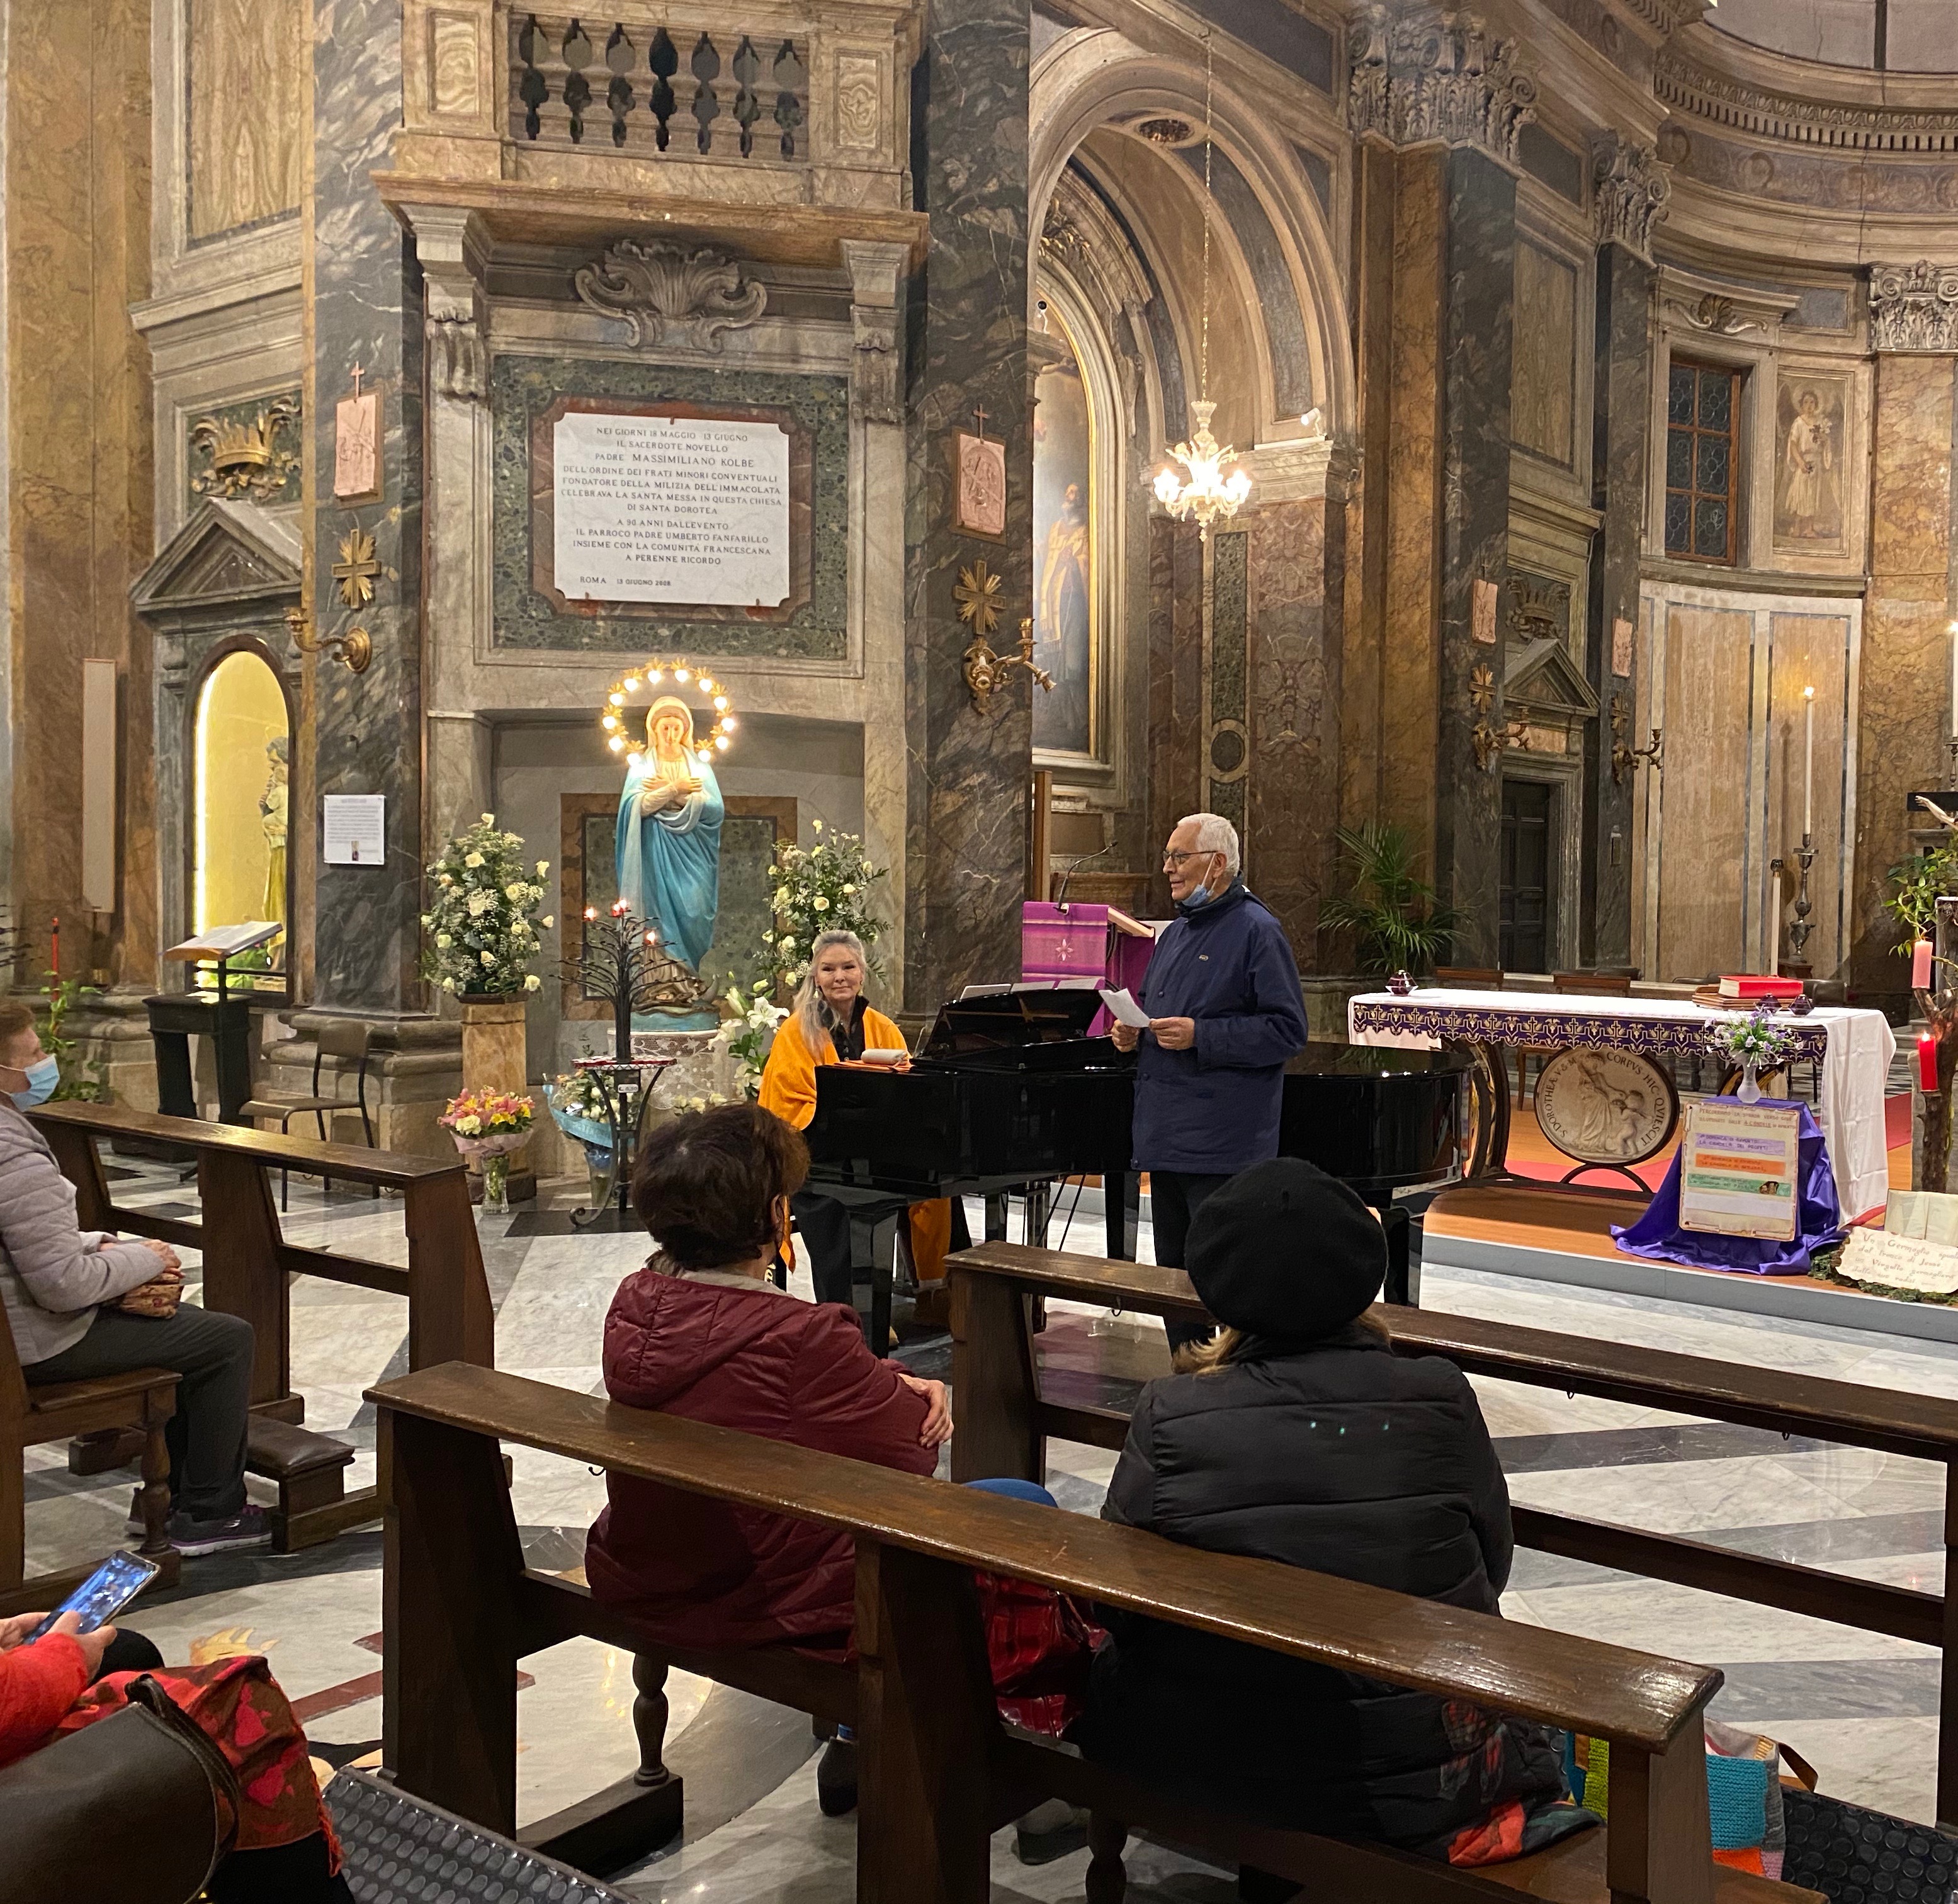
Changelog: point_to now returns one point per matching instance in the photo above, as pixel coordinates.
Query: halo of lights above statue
(655, 674)
(1203, 491)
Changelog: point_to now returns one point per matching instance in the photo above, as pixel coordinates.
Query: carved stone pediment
(227, 555)
(694, 296)
(1539, 678)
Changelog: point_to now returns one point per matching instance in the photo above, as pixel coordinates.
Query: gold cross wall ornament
(356, 568)
(974, 595)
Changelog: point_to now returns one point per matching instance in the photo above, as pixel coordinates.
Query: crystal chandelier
(1203, 491)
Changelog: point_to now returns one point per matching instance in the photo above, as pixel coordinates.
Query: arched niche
(1269, 221)
(241, 757)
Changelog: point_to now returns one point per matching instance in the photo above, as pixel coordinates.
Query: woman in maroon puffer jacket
(701, 1332)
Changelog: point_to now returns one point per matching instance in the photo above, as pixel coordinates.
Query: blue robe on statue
(668, 863)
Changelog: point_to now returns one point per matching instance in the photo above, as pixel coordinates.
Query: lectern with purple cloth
(1657, 1234)
(1096, 944)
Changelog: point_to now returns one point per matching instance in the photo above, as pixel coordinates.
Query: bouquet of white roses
(823, 888)
(481, 926)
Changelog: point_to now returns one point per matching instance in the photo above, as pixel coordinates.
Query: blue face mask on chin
(43, 1076)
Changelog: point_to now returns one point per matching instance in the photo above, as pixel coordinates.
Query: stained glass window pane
(1716, 399)
(1709, 529)
(1678, 524)
(1679, 394)
(1679, 459)
(1713, 471)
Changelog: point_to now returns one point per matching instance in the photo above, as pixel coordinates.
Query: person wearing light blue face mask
(62, 1286)
(1226, 1011)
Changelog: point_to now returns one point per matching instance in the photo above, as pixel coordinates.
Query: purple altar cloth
(1819, 1223)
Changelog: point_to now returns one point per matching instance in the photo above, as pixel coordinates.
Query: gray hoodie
(53, 1276)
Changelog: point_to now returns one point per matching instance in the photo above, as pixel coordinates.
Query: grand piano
(1009, 1094)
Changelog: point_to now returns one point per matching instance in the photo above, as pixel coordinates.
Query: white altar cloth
(1855, 1048)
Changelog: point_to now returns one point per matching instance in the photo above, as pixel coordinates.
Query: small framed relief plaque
(356, 447)
(1482, 612)
(979, 500)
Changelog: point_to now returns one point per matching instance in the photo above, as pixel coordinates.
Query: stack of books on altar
(1747, 988)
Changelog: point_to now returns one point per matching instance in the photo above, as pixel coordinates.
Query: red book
(1759, 985)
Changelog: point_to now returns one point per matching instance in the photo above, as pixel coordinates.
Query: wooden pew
(1004, 1422)
(247, 1265)
(938, 1773)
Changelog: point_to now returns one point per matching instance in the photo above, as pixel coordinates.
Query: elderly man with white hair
(1225, 1012)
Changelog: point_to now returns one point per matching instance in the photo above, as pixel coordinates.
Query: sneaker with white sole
(251, 1528)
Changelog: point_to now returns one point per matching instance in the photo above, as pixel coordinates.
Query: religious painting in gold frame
(1065, 575)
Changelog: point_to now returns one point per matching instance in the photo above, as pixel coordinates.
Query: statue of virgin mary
(668, 840)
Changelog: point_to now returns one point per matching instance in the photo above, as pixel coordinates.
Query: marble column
(1176, 709)
(75, 435)
(1904, 687)
(969, 767)
(1477, 315)
(452, 252)
(367, 312)
(1621, 423)
(877, 467)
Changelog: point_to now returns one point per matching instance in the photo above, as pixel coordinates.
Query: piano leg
(873, 1242)
(1039, 1201)
(1402, 1286)
(995, 1216)
(1122, 1204)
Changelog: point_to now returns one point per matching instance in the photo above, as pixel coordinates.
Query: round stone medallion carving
(1606, 1106)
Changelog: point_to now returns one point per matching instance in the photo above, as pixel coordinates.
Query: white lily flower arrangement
(826, 887)
(482, 932)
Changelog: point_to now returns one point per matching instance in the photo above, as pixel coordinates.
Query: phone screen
(105, 1593)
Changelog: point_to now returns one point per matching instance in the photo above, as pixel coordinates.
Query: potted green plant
(1398, 921)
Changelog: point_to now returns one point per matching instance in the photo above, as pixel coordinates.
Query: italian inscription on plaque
(689, 510)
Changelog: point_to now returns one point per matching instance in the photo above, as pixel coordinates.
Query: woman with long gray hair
(832, 1022)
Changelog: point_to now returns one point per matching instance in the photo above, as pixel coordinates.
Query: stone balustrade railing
(696, 88)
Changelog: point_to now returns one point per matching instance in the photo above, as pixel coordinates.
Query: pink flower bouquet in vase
(490, 1125)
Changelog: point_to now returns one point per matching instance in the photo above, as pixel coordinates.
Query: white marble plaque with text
(690, 510)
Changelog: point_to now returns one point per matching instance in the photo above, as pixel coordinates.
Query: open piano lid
(1006, 1021)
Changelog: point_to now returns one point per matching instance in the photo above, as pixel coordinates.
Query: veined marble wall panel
(522, 387)
(1543, 393)
(247, 98)
(1906, 714)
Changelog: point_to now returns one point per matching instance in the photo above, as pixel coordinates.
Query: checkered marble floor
(1861, 1707)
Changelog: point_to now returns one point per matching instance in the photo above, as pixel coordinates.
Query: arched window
(238, 865)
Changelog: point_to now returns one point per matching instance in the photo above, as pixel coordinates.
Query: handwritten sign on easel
(1740, 1170)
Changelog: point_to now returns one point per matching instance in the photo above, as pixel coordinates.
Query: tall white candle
(1808, 767)
(1954, 680)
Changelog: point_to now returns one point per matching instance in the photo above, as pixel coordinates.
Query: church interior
(781, 788)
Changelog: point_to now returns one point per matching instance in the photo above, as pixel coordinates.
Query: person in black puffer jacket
(1298, 1435)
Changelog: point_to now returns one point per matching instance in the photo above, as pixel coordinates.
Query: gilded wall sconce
(986, 670)
(356, 648)
(1626, 759)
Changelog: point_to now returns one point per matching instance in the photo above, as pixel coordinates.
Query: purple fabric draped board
(1818, 1223)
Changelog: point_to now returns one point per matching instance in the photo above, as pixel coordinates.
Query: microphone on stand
(1084, 860)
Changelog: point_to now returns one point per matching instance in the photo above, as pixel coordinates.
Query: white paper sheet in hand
(1123, 1004)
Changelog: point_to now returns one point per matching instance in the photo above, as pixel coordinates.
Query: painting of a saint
(1063, 561)
(1808, 488)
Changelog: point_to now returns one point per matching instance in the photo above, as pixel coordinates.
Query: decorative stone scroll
(1434, 74)
(1914, 307)
(1631, 192)
(658, 289)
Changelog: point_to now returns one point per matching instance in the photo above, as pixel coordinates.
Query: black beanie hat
(1285, 1250)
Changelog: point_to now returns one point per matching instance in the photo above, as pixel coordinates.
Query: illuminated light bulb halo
(666, 677)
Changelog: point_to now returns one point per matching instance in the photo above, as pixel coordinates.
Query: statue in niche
(668, 853)
(273, 817)
(246, 60)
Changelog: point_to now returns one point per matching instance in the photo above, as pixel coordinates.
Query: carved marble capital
(1431, 73)
(1914, 307)
(453, 249)
(1631, 191)
(696, 297)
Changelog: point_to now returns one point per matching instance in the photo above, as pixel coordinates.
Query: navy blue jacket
(1214, 1110)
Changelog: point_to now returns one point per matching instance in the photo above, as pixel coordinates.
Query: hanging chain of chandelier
(1203, 490)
